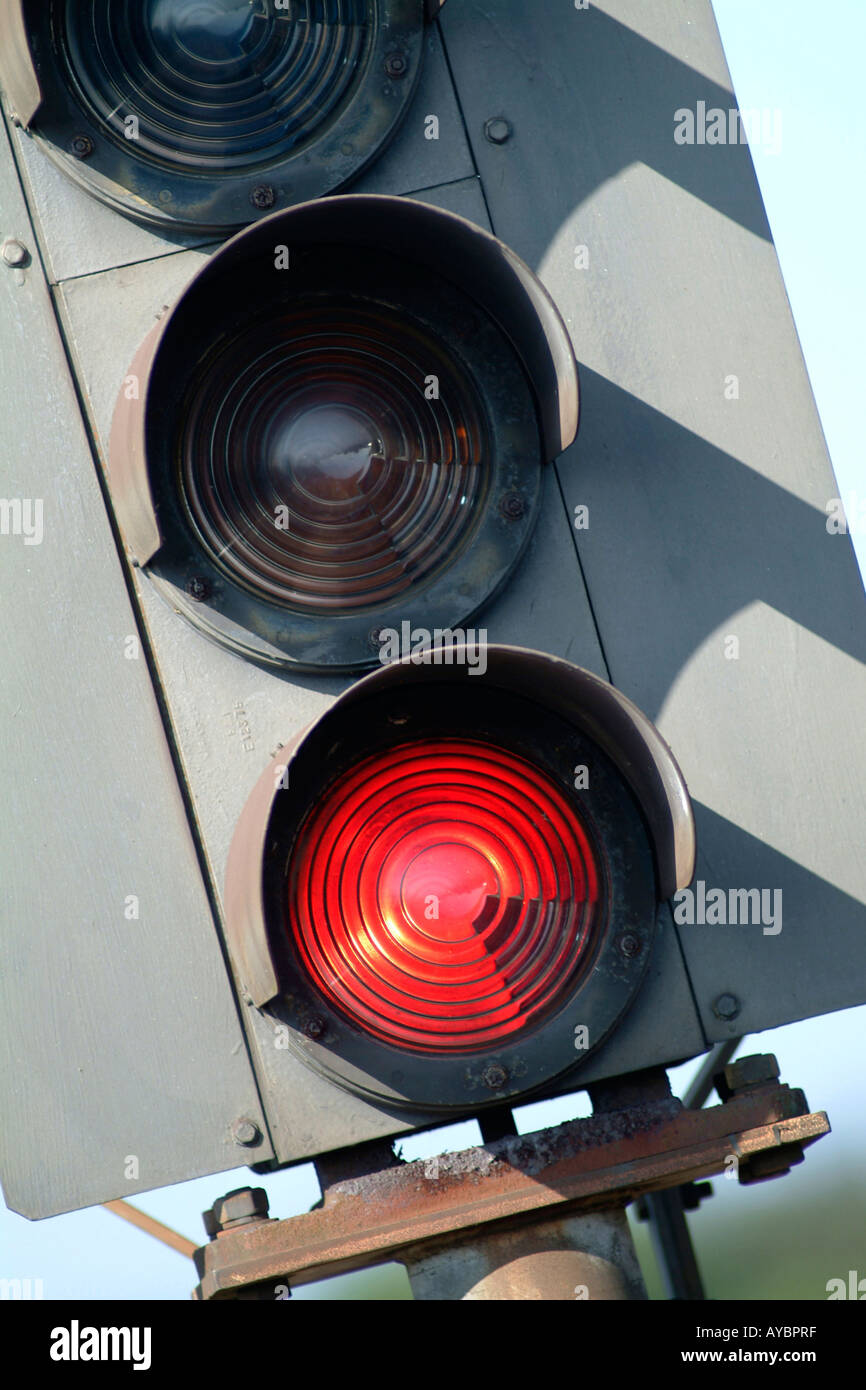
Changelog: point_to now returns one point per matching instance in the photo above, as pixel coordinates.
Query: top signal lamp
(200, 116)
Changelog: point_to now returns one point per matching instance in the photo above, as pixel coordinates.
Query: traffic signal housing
(342, 426)
(651, 565)
(445, 892)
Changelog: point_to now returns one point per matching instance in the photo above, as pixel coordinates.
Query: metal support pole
(669, 1229)
(672, 1243)
(574, 1258)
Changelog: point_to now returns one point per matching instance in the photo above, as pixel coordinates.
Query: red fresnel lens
(443, 895)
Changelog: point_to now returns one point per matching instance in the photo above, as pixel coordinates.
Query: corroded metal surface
(603, 1161)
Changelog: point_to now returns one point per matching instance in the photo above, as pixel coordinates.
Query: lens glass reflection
(220, 85)
(320, 465)
(443, 895)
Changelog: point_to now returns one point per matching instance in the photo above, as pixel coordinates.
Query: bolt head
(630, 945)
(314, 1028)
(81, 146)
(246, 1133)
(726, 1007)
(15, 253)
(498, 130)
(396, 65)
(512, 506)
(759, 1070)
(494, 1076)
(263, 197)
(238, 1208)
(198, 588)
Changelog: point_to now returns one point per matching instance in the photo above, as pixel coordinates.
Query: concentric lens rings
(333, 455)
(219, 86)
(442, 896)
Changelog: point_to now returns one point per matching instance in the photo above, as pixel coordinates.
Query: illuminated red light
(442, 896)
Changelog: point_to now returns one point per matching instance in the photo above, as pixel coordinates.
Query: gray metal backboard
(707, 496)
(122, 1059)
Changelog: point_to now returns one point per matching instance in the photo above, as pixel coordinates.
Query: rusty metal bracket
(367, 1217)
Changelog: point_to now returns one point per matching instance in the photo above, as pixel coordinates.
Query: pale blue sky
(805, 59)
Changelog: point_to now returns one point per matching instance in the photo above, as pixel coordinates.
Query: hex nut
(762, 1069)
(498, 130)
(239, 1208)
(15, 253)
